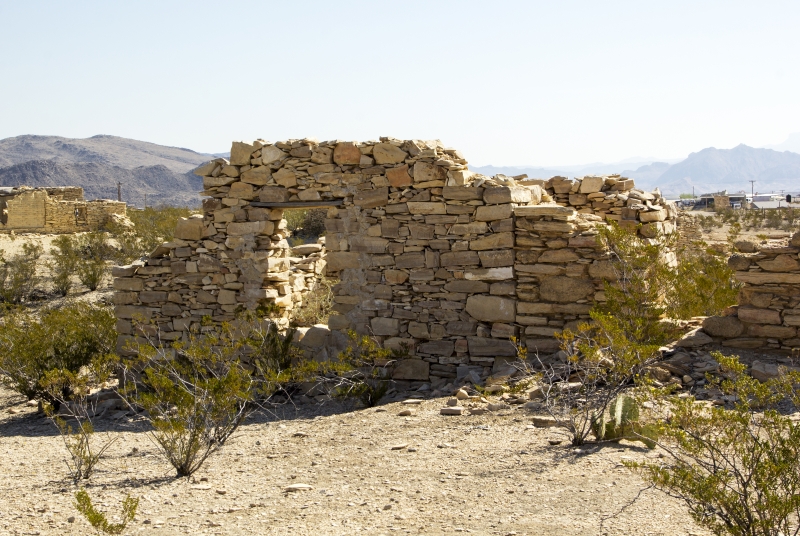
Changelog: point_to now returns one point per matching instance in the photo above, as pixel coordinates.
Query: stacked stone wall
(426, 253)
(57, 210)
(768, 314)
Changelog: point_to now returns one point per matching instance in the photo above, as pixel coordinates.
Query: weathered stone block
(491, 308)
(506, 194)
(385, 327)
(565, 289)
(412, 370)
(189, 229)
(755, 315)
(723, 326)
(494, 241)
(371, 198)
(126, 283)
(486, 347)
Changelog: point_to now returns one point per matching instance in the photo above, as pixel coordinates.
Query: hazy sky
(507, 82)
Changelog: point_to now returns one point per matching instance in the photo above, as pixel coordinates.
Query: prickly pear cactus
(624, 423)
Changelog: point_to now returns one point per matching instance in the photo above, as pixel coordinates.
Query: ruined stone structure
(54, 210)
(768, 314)
(426, 252)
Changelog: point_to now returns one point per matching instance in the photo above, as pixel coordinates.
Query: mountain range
(97, 164)
(164, 174)
(708, 170)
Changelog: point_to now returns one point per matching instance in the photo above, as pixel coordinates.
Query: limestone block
(347, 154)
(426, 208)
(491, 308)
(152, 296)
(412, 370)
(321, 155)
(437, 348)
(241, 190)
(273, 194)
(398, 177)
(316, 336)
(653, 215)
(486, 347)
(124, 271)
(427, 172)
(385, 327)
(774, 332)
(386, 153)
(459, 177)
(543, 210)
(371, 198)
(493, 212)
(128, 283)
(270, 154)
(496, 258)
(309, 194)
(558, 255)
(189, 229)
(468, 286)
(739, 262)
(214, 182)
(240, 153)
(506, 194)
(462, 193)
(590, 185)
(781, 263)
(258, 175)
(723, 326)
(248, 227)
(129, 312)
(795, 240)
(459, 258)
(476, 227)
(340, 260)
(285, 177)
(489, 274)
(755, 315)
(602, 270)
(408, 260)
(694, 339)
(226, 297)
(762, 278)
(565, 289)
(493, 241)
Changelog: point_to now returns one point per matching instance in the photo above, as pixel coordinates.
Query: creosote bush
(18, 276)
(317, 304)
(66, 339)
(738, 468)
(98, 519)
(197, 393)
(150, 228)
(64, 259)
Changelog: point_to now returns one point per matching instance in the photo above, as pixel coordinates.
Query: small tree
(64, 260)
(93, 253)
(71, 391)
(65, 339)
(18, 275)
(738, 468)
(195, 394)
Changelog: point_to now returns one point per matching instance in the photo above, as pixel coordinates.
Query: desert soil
(487, 474)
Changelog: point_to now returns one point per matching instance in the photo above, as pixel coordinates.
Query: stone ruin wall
(55, 210)
(768, 313)
(425, 252)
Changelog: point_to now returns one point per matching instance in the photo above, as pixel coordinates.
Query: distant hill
(792, 143)
(99, 181)
(715, 169)
(101, 149)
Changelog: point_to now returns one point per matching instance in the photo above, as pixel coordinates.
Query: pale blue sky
(507, 82)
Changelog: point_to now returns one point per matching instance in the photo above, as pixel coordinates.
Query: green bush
(703, 283)
(64, 260)
(98, 520)
(66, 339)
(737, 469)
(93, 252)
(195, 394)
(18, 273)
(317, 305)
(306, 224)
(150, 227)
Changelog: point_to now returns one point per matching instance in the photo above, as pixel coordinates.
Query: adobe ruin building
(54, 210)
(426, 252)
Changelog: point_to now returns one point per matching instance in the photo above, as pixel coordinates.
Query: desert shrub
(604, 359)
(195, 394)
(774, 218)
(64, 258)
(737, 469)
(307, 224)
(93, 252)
(98, 520)
(18, 273)
(71, 390)
(317, 305)
(66, 339)
(703, 283)
(150, 228)
(363, 370)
